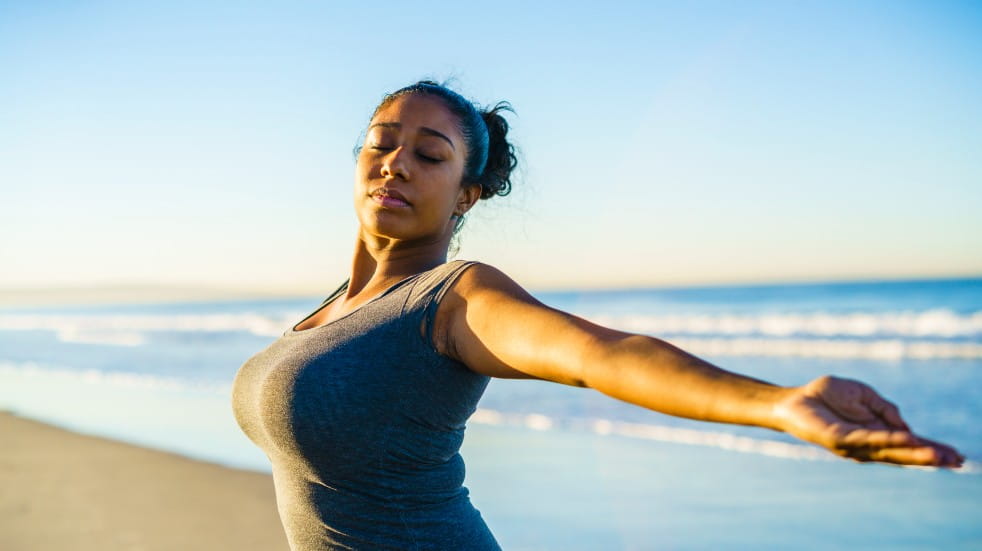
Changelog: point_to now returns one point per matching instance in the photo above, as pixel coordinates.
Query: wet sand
(62, 490)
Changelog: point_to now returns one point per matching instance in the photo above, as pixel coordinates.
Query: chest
(345, 388)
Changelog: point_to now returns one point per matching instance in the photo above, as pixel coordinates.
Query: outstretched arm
(495, 327)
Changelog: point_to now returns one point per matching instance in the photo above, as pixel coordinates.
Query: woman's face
(409, 171)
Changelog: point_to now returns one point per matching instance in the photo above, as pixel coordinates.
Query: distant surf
(918, 342)
(936, 333)
(43, 375)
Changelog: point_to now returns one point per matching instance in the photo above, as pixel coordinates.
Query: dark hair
(490, 158)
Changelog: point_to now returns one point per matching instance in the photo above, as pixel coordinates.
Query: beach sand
(62, 490)
(538, 490)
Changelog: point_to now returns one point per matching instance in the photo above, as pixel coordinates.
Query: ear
(466, 197)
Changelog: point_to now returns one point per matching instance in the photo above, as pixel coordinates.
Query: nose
(394, 165)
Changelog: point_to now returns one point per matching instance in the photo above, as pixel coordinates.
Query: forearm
(654, 374)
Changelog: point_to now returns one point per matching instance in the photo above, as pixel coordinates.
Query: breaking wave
(931, 334)
(880, 349)
(937, 323)
(130, 330)
(33, 370)
(533, 421)
(675, 435)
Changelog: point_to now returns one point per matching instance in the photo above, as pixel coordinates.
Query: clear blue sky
(209, 143)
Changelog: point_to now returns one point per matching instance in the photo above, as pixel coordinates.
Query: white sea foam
(937, 323)
(675, 435)
(880, 349)
(484, 416)
(101, 336)
(488, 417)
(881, 336)
(604, 427)
(537, 421)
(33, 370)
(130, 330)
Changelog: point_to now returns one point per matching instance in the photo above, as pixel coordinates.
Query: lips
(389, 197)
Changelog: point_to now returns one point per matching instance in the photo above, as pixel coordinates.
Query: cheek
(363, 168)
(359, 190)
(444, 191)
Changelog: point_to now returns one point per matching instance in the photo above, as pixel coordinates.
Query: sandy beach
(538, 490)
(62, 490)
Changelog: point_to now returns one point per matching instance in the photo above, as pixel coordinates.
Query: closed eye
(423, 157)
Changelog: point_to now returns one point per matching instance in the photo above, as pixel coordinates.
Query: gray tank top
(362, 420)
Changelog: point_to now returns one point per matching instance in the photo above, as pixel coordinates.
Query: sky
(209, 144)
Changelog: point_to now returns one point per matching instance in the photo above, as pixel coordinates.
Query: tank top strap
(429, 289)
(335, 294)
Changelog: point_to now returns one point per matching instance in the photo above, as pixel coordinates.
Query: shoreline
(537, 490)
(66, 490)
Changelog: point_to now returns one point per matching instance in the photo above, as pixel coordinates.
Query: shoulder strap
(430, 289)
(329, 298)
(336, 292)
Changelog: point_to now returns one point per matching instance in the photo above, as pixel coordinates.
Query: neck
(381, 262)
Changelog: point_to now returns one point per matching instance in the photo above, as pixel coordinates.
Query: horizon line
(162, 292)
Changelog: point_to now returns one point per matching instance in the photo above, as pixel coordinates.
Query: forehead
(419, 110)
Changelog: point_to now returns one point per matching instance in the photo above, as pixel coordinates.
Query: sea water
(557, 467)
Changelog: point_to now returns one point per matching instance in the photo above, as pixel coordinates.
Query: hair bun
(496, 179)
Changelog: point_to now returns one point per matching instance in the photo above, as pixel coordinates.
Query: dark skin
(408, 191)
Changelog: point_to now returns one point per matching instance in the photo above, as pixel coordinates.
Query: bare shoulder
(477, 291)
(483, 281)
(479, 295)
(492, 325)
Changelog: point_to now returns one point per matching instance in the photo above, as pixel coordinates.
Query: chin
(381, 225)
(393, 230)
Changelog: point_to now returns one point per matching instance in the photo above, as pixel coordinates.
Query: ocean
(557, 467)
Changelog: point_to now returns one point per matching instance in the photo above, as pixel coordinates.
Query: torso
(362, 420)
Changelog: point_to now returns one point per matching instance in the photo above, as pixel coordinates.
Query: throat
(374, 270)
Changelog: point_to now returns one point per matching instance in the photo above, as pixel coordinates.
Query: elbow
(606, 356)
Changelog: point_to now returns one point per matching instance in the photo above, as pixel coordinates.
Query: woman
(361, 406)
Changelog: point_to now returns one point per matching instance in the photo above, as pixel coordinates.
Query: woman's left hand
(850, 419)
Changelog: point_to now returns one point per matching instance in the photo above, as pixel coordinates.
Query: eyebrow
(424, 129)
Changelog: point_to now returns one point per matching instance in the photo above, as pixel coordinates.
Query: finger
(887, 411)
(922, 456)
(872, 439)
(949, 451)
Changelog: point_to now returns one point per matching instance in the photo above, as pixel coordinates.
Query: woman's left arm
(495, 327)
